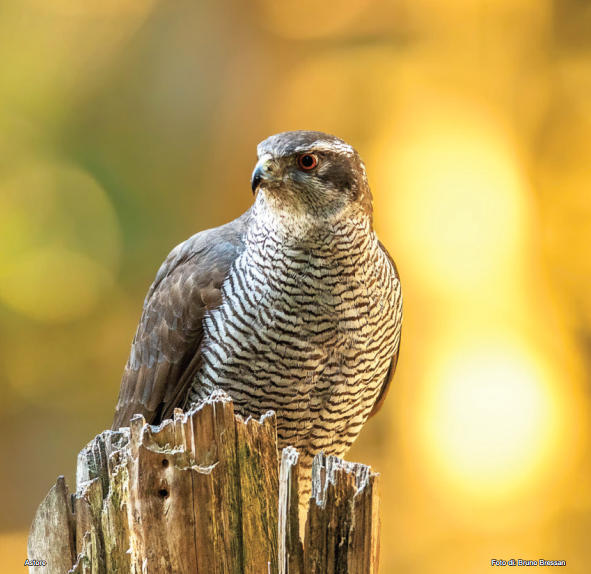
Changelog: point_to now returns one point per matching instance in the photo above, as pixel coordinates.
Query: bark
(205, 493)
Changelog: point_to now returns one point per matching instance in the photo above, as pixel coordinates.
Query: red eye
(307, 161)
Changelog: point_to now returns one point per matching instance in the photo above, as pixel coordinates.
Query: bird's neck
(301, 228)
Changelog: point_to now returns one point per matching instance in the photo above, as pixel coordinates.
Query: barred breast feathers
(309, 326)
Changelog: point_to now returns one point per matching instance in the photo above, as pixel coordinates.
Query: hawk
(295, 306)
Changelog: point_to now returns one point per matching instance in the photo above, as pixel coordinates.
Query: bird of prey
(295, 306)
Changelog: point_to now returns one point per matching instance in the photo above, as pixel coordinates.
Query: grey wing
(398, 325)
(165, 352)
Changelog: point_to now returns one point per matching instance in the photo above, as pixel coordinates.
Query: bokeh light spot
(59, 242)
(54, 284)
(491, 417)
(457, 197)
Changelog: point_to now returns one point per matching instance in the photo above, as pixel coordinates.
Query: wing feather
(165, 352)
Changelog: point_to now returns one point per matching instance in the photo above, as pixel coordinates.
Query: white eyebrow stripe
(323, 145)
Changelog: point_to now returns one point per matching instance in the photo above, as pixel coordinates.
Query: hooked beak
(263, 171)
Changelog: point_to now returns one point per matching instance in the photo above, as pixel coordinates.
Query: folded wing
(165, 352)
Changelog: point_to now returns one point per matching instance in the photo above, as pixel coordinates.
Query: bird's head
(311, 174)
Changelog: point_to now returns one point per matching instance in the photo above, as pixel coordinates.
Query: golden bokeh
(54, 284)
(307, 18)
(96, 8)
(455, 194)
(60, 242)
(492, 421)
(127, 126)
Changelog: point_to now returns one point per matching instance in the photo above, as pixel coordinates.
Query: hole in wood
(164, 462)
(163, 493)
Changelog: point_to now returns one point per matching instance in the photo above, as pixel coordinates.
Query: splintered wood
(205, 493)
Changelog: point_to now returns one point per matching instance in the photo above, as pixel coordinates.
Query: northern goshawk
(294, 307)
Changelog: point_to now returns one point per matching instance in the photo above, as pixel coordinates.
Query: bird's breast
(307, 332)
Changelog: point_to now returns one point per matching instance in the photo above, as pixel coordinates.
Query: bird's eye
(307, 161)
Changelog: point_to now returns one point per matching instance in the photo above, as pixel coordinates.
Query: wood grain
(205, 492)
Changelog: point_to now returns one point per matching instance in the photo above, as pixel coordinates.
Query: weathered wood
(259, 491)
(291, 551)
(343, 522)
(51, 539)
(205, 493)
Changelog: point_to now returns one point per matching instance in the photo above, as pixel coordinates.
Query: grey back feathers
(294, 307)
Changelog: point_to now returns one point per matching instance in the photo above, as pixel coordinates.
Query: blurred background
(128, 125)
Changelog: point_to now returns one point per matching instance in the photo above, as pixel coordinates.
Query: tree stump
(205, 493)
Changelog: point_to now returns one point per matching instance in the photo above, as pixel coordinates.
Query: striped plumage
(307, 328)
(301, 316)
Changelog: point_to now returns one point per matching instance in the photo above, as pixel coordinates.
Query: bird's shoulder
(206, 253)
